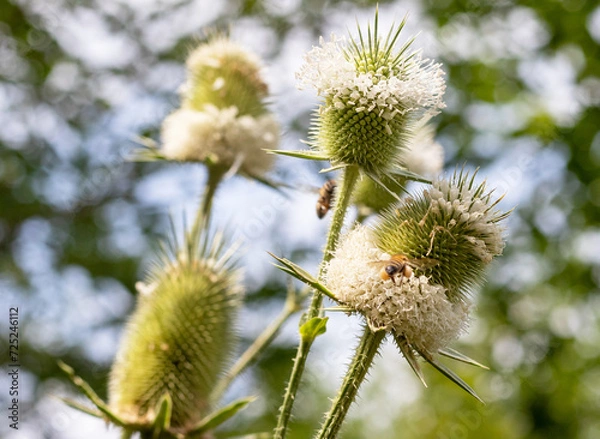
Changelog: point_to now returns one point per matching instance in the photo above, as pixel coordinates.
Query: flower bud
(178, 340)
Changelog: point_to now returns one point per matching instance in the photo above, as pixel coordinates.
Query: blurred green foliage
(523, 104)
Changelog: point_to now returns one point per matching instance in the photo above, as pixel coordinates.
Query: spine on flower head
(454, 223)
(372, 97)
(179, 339)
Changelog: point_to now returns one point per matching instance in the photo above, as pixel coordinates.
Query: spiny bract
(179, 339)
(455, 222)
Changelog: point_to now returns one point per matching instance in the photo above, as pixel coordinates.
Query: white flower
(417, 310)
(221, 135)
(394, 87)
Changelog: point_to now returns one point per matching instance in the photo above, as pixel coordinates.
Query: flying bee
(325, 197)
(399, 267)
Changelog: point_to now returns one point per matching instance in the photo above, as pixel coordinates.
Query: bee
(399, 267)
(325, 196)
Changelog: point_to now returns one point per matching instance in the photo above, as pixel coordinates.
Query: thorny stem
(263, 340)
(349, 178)
(363, 359)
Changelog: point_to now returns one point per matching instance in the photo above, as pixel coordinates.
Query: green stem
(254, 350)
(344, 194)
(363, 359)
(214, 177)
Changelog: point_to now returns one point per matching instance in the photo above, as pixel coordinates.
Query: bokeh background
(78, 221)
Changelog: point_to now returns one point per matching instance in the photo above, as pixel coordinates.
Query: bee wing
(379, 264)
(423, 263)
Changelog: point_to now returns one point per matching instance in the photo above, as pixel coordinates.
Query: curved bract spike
(449, 374)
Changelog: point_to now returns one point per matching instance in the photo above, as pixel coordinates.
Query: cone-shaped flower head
(417, 309)
(422, 155)
(454, 223)
(372, 96)
(224, 120)
(180, 337)
(446, 236)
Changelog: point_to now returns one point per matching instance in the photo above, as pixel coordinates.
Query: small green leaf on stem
(405, 173)
(313, 328)
(410, 356)
(82, 408)
(333, 168)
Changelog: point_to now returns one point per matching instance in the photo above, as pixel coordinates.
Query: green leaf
(162, 422)
(302, 275)
(313, 328)
(455, 355)
(237, 435)
(146, 155)
(450, 375)
(218, 417)
(306, 154)
(87, 390)
(410, 356)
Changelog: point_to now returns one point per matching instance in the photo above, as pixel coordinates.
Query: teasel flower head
(416, 308)
(180, 337)
(223, 120)
(372, 96)
(454, 222)
(422, 156)
(446, 236)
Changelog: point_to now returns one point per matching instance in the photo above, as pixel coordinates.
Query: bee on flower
(433, 249)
